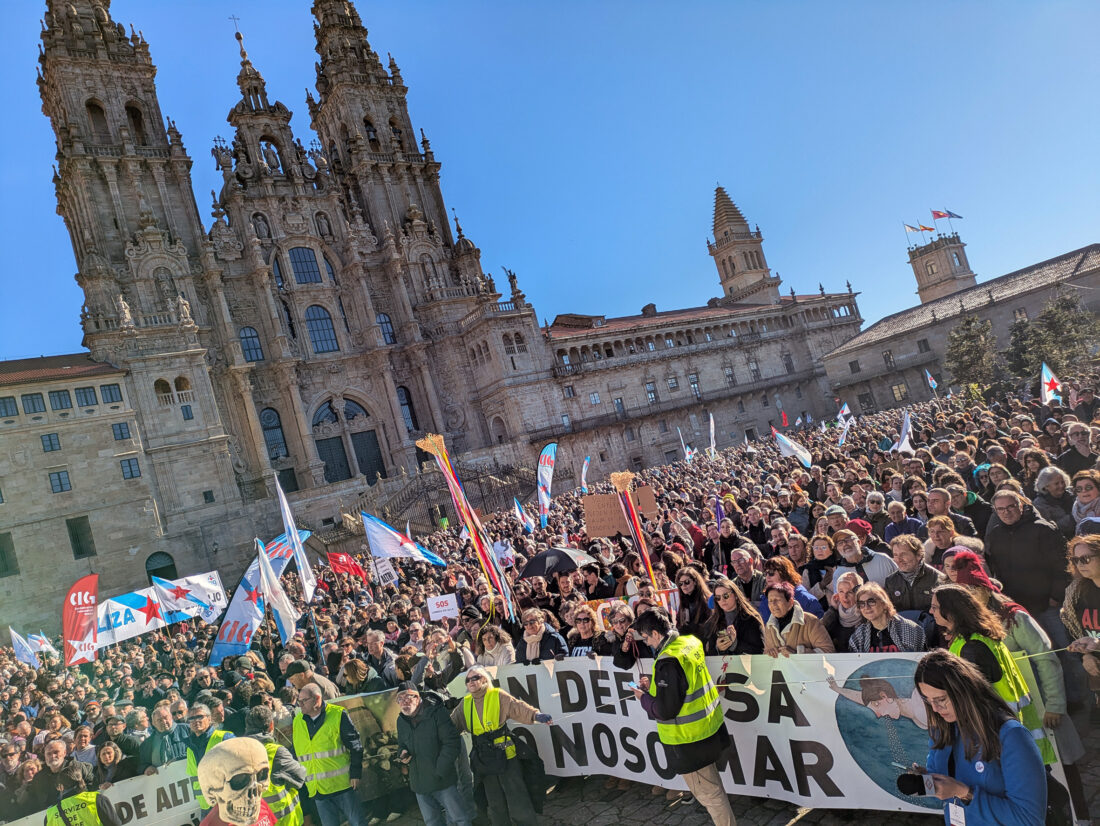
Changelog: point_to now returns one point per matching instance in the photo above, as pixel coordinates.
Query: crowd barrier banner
(138, 612)
(795, 737)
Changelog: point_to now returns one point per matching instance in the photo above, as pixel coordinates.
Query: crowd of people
(980, 540)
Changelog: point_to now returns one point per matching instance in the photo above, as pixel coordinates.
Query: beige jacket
(803, 629)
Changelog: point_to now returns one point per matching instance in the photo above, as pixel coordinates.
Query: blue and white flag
(525, 521)
(584, 474)
(931, 381)
(286, 616)
(713, 449)
(42, 645)
(389, 543)
(844, 411)
(789, 447)
(903, 439)
(305, 572)
(844, 433)
(545, 477)
(23, 651)
(191, 596)
(246, 608)
(1050, 389)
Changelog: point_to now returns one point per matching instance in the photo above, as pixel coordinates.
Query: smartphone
(632, 684)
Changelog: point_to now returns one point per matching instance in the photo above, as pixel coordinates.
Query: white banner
(796, 736)
(139, 612)
(387, 574)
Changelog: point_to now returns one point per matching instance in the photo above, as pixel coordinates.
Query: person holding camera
(983, 763)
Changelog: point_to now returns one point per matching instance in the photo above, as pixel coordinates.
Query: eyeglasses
(531, 622)
(476, 678)
(1083, 559)
(867, 603)
(726, 595)
(685, 582)
(1007, 508)
(938, 703)
(583, 621)
(179, 713)
(1083, 488)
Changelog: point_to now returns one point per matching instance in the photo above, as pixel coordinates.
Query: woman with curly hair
(734, 627)
(1053, 499)
(582, 638)
(1032, 462)
(780, 569)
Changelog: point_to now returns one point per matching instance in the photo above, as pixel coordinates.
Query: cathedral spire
(726, 214)
(251, 82)
(342, 46)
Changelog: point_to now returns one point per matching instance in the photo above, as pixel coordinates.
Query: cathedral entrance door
(367, 454)
(331, 452)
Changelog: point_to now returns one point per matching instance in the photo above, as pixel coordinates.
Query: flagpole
(317, 641)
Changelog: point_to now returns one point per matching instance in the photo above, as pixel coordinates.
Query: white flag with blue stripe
(789, 447)
(23, 651)
(305, 572)
(284, 613)
(389, 543)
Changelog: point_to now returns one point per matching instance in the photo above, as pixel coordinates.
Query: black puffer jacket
(1029, 558)
(433, 741)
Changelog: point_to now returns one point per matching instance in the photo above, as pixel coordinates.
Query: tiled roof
(973, 299)
(663, 319)
(52, 368)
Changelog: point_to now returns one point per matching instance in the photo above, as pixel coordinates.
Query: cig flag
(285, 615)
(545, 478)
(23, 650)
(305, 572)
(78, 620)
(389, 543)
(344, 564)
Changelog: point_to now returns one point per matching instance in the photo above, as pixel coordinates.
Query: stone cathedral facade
(322, 320)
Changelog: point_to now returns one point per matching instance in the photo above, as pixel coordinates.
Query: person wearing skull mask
(234, 775)
(287, 774)
(328, 745)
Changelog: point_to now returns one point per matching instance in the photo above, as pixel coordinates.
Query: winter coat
(803, 629)
(910, 525)
(915, 597)
(433, 741)
(1009, 791)
(978, 511)
(906, 634)
(872, 566)
(801, 595)
(550, 646)
(1059, 511)
(800, 518)
(1029, 559)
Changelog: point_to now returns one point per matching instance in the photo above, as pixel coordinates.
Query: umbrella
(555, 561)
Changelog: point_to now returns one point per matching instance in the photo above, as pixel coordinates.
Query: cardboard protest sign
(603, 514)
(445, 605)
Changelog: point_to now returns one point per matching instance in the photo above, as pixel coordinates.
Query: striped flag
(1050, 388)
(23, 651)
(931, 381)
(305, 572)
(526, 521)
(286, 616)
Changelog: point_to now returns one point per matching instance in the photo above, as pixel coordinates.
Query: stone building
(884, 365)
(323, 319)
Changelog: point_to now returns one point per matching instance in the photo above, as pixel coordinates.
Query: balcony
(487, 310)
(732, 237)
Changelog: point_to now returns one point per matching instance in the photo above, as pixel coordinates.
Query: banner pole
(317, 640)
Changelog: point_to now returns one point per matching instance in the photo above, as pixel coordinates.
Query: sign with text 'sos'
(445, 605)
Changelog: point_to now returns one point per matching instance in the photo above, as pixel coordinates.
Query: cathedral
(323, 319)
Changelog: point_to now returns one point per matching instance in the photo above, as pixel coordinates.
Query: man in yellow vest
(286, 776)
(82, 807)
(328, 745)
(683, 699)
(204, 735)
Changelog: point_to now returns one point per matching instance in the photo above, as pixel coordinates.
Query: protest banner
(821, 731)
(138, 612)
(387, 575)
(442, 606)
(603, 515)
(78, 620)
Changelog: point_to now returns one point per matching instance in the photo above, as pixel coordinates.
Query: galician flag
(305, 572)
(713, 450)
(41, 644)
(584, 474)
(903, 439)
(789, 447)
(844, 411)
(931, 381)
(23, 651)
(390, 543)
(847, 426)
(798, 422)
(526, 521)
(1050, 389)
(284, 613)
(188, 596)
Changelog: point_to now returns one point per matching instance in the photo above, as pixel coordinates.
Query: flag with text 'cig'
(23, 651)
(545, 477)
(286, 616)
(789, 447)
(389, 543)
(305, 572)
(1050, 389)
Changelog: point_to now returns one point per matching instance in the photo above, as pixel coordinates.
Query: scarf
(816, 568)
(1092, 509)
(849, 617)
(534, 643)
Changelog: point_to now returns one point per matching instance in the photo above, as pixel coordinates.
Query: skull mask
(233, 776)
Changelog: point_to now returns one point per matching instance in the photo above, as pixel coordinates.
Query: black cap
(298, 667)
(408, 685)
(471, 611)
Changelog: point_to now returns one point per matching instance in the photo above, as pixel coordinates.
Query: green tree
(971, 351)
(1067, 332)
(1025, 349)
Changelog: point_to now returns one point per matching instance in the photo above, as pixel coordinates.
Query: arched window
(499, 430)
(303, 261)
(371, 133)
(333, 436)
(250, 344)
(353, 410)
(272, 427)
(329, 270)
(509, 347)
(386, 325)
(97, 123)
(162, 388)
(521, 345)
(404, 398)
(395, 130)
(162, 565)
(182, 384)
(136, 123)
(276, 271)
(321, 332)
(325, 413)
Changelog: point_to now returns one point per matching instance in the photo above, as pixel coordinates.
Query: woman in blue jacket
(983, 761)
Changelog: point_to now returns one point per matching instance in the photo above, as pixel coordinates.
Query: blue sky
(581, 141)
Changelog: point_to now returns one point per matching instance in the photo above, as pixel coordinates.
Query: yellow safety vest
(1013, 689)
(327, 761)
(282, 799)
(701, 714)
(193, 766)
(79, 809)
(489, 720)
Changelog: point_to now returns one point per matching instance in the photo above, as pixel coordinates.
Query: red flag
(78, 620)
(784, 418)
(937, 214)
(344, 564)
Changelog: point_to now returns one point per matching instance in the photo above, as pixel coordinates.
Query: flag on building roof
(931, 381)
(910, 228)
(923, 228)
(286, 616)
(23, 651)
(937, 214)
(789, 447)
(951, 214)
(389, 543)
(1050, 388)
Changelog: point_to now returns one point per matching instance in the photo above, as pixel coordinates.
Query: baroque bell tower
(738, 253)
(123, 188)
